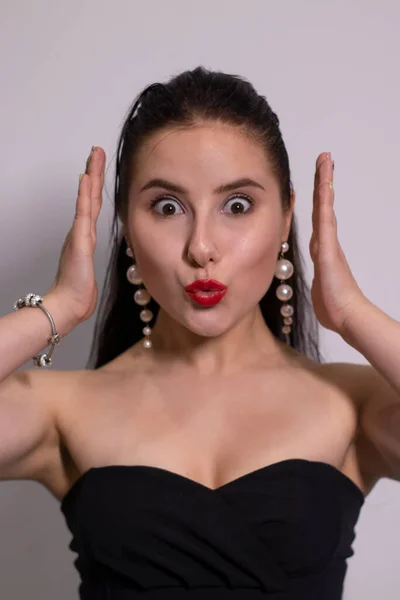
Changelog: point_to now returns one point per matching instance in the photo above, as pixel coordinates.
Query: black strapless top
(281, 532)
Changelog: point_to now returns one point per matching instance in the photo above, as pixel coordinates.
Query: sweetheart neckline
(78, 482)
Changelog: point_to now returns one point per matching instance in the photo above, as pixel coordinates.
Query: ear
(289, 214)
(124, 233)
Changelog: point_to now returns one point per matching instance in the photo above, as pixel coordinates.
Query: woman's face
(199, 232)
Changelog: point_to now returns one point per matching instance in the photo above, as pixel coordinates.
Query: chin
(206, 325)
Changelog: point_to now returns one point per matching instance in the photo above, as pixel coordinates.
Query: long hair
(188, 99)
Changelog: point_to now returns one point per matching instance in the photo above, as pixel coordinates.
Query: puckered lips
(206, 292)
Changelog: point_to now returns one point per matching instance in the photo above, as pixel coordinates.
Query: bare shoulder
(30, 402)
(349, 377)
(75, 397)
(47, 388)
(356, 381)
(346, 379)
(339, 376)
(58, 392)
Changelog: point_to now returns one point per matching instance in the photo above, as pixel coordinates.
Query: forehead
(212, 151)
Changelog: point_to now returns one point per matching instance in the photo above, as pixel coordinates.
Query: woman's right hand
(75, 284)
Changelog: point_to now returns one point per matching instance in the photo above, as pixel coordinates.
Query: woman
(207, 451)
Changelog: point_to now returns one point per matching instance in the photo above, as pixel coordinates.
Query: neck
(248, 344)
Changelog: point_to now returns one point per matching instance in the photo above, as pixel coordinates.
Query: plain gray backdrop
(69, 72)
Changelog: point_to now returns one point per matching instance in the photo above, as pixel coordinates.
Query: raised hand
(335, 293)
(75, 285)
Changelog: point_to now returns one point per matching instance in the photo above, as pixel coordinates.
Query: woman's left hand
(335, 293)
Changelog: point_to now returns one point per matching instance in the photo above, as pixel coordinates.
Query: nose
(201, 247)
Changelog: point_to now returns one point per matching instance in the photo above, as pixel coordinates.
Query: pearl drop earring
(284, 270)
(141, 297)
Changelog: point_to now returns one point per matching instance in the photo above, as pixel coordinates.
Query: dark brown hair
(189, 99)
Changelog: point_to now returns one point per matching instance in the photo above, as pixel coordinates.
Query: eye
(165, 206)
(238, 202)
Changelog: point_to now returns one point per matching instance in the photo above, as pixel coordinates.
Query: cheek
(254, 260)
(248, 257)
(157, 261)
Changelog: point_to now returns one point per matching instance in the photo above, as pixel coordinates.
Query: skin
(215, 379)
(214, 398)
(201, 237)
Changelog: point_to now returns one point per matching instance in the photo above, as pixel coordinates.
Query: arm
(28, 424)
(24, 333)
(377, 336)
(28, 432)
(341, 306)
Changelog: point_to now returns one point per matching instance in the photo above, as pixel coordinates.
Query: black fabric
(281, 532)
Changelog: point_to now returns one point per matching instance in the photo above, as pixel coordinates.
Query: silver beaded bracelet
(41, 360)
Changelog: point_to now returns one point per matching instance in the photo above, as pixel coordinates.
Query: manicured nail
(80, 178)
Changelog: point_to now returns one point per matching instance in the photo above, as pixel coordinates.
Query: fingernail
(90, 157)
(80, 177)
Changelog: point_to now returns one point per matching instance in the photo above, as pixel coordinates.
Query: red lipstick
(206, 292)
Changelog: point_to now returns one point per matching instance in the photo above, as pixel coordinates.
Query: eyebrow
(227, 187)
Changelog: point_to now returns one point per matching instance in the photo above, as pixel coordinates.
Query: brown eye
(166, 207)
(239, 205)
(237, 208)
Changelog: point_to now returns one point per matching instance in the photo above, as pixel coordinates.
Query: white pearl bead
(286, 329)
(287, 310)
(147, 343)
(133, 275)
(284, 247)
(284, 292)
(288, 320)
(146, 315)
(142, 297)
(284, 269)
(129, 252)
(146, 330)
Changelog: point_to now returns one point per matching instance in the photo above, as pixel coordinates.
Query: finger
(83, 220)
(326, 192)
(323, 194)
(313, 248)
(327, 223)
(315, 212)
(96, 169)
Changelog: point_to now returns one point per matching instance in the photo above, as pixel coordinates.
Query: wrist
(357, 321)
(63, 318)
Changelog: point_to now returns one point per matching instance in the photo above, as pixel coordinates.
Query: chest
(210, 431)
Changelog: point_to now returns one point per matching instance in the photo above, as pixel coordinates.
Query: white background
(70, 70)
